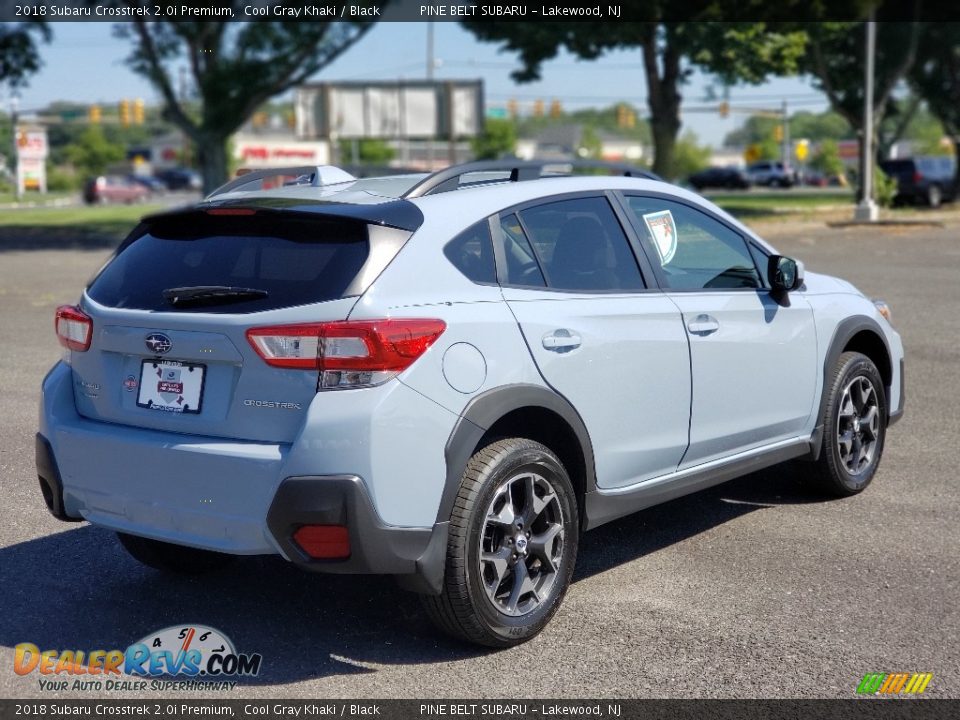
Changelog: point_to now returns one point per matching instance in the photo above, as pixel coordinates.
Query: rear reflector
(348, 354)
(327, 542)
(74, 328)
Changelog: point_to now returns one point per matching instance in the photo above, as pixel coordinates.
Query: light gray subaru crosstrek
(447, 377)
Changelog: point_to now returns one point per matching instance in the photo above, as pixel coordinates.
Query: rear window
(274, 262)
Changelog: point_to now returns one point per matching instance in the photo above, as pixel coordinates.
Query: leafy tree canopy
(234, 69)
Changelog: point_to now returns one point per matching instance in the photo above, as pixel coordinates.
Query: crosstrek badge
(663, 230)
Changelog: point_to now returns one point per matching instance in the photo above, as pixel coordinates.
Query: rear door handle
(561, 340)
(703, 325)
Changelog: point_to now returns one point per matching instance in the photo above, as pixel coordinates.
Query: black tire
(498, 474)
(168, 557)
(834, 471)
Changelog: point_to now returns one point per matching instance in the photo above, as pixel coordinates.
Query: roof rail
(314, 175)
(449, 178)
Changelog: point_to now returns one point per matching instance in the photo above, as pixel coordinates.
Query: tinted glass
(581, 246)
(294, 262)
(471, 252)
(522, 267)
(694, 250)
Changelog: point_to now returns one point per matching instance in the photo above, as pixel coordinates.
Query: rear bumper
(51, 486)
(241, 498)
(417, 554)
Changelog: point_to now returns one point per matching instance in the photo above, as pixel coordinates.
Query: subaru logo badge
(158, 343)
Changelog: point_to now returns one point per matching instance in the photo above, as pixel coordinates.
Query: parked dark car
(720, 177)
(113, 189)
(180, 179)
(927, 180)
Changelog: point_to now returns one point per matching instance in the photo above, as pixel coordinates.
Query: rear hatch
(170, 312)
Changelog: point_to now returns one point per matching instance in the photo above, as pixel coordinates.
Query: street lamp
(866, 210)
(15, 154)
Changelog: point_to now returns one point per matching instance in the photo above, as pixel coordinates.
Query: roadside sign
(32, 150)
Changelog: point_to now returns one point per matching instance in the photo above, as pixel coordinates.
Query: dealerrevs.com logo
(180, 657)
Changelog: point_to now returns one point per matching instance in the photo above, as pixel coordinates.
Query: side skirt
(603, 506)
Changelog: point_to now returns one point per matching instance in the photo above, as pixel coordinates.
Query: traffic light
(138, 111)
(778, 133)
(724, 109)
(125, 112)
(622, 116)
(94, 115)
(512, 108)
(538, 108)
(556, 109)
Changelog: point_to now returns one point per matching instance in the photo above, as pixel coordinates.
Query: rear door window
(234, 264)
(581, 246)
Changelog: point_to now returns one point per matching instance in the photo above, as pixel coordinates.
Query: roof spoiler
(312, 175)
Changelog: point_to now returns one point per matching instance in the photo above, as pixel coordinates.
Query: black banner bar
(180, 709)
(606, 11)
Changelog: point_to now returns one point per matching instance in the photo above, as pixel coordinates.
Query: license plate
(171, 386)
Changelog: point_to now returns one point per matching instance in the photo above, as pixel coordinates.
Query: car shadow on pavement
(78, 589)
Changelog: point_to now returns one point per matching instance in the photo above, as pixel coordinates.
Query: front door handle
(703, 325)
(561, 340)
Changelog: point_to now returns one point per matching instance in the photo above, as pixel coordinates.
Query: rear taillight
(348, 354)
(74, 328)
(917, 176)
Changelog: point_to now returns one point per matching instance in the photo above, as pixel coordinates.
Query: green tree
(235, 68)
(499, 138)
(827, 159)
(371, 151)
(936, 77)
(690, 156)
(836, 62)
(19, 57)
(736, 51)
(92, 153)
(815, 127)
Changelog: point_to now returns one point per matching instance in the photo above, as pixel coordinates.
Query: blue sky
(84, 63)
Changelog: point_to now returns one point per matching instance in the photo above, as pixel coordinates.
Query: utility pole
(15, 154)
(430, 61)
(785, 149)
(866, 210)
(431, 64)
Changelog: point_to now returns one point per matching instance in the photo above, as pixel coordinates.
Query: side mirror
(785, 274)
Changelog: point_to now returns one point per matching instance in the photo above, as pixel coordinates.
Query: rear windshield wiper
(211, 295)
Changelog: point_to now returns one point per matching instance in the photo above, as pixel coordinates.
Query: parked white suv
(447, 378)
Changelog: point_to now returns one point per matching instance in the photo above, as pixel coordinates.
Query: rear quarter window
(293, 261)
(471, 252)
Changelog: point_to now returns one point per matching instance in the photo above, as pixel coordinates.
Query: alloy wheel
(521, 544)
(858, 425)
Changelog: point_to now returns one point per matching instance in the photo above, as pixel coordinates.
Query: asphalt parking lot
(755, 588)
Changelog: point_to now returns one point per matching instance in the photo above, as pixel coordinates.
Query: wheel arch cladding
(854, 334)
(527, 411)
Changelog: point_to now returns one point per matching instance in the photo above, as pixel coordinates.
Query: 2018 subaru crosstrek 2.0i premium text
(447, 378)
